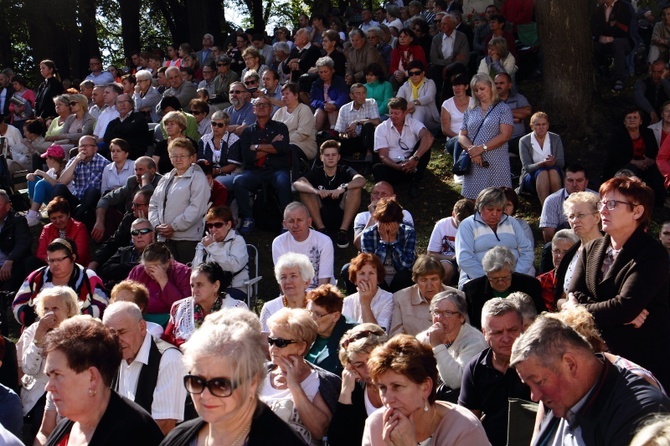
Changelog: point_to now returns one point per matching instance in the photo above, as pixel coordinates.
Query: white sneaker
(458, 179)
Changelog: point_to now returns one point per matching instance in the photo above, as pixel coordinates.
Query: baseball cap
(54, 151)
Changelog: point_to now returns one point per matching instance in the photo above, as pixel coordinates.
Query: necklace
(285, 302)
(243, 435)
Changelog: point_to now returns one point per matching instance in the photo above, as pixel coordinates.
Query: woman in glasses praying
(622, 278)
(301, 394)
(226, 366)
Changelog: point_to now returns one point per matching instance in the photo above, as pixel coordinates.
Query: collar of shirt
(143, 354)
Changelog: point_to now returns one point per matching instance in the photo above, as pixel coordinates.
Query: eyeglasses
(317, 315)
(251, 82)
(143, 231)
(221, 387)
(218, 124)
(217, 225)
(575, 217)
(402, 145)
(137, 205)
(222, 64)
(445, 313)
(197, 112)
(179, 157)
(362, 335)
(415, 73)
(73, 103)
(611, 204)
(280, 343)
(57, 261)
(237, 91)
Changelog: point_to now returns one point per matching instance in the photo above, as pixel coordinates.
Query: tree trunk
(176, 17)
(130, 26)
(205, 16)
(565, 36)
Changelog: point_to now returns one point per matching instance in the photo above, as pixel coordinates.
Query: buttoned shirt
(87, 174)
(106, 116)
(400, 145)
(102, 78)
(401, 250)
(349, 114)
(448, 45)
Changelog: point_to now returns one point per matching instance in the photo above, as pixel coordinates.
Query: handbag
(462, 161)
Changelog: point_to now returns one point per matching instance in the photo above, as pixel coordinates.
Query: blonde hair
(298, 322)
(67, 296)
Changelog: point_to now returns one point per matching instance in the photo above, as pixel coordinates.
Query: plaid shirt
(401, 251)
(87, 174)
(349, 114)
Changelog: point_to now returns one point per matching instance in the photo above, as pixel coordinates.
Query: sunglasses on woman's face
(221, 387)
(218, 124)
(136, 232)
(280, 343)
(217, 225)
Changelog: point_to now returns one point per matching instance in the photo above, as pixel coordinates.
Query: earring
(426, 407)
(91, 392)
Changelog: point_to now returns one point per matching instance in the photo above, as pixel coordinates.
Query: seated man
(241, 112)
(15, 245)
(151, 370)
(449, 55)
(80, 181)
(587, 399)
(651, 92)
(488, 380)
(356, 123)
(331, 193)
(109, 112)
(303, 56)
(264, 146)
(183, 91)
(300, 238)
(126, 258)
(130, 126)
(403, 145)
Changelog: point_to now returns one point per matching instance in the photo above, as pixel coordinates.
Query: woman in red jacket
(62, 225)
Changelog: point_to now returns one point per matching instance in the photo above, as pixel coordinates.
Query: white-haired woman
(146, 97)
(294, 272)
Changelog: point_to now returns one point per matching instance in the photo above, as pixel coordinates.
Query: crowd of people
(133, 313)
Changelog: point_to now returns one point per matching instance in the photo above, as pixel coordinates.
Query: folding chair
(254, 278)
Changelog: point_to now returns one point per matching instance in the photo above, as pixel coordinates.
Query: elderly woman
(370, 303)
(561, 245)
(500, 280)
(454, 341)
(405, 371)
(622, 278)
(117, 172)
(174, 123)
(51, 87)
(62, 225)
(411, 313)
(179, 203)
(499, 59)
(489, 227)
(325, 305)
(226, 357)
(392, 241)
(406, 51)
(294, 272)
(79, 123)
(541, 153)
(661, 129)
(221, 148)
(303, 395)
(41, 183)
(299, 119)
(420, 93)
(486, 128)
(208, 282)
(253, 62)
(359, 397)
(328, 93)
(53, 306)
(62, 106)
(166, 279)
(145, 96)
(660, 36)
(82, 358)
(330, 41)
(225, 246)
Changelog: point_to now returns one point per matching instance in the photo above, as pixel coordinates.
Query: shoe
(342, 239)
(323, 230)
(618, 86)
(33, 219)
(458, 179)
(414, 190)
(248, 225)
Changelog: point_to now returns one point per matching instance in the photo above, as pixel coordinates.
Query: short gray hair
(129, 308)
(455, 297)
(497, 258)
(564, 234)
(222, 115)
(374, 30)
(292, 206)
(143, 75)
(497, 307)
(295, 260)
(491, 196)
(525, 305)
(325, 61)
(139, 221)
(282, 46)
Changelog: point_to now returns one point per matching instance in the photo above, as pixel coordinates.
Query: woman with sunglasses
(220, 147)
(301, 394)
(80, 122)
(622, 278)
(223, 245)
(226, 366)
(420, 93)
(208, 282)
(359, 397)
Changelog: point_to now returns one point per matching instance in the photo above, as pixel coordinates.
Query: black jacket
(134, 130)
(44, 104)
(15, 238)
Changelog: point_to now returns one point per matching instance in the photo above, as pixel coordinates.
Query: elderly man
(241, 112)
(81, 179)
(15, 244)
(301, 239)
(303, 56)
(356, 123)
(488, 379)
(264, 147)
(146, 97)
(184, 91)
(126, 258)
(151, 370)
(403, 145)
(98, 75)
(109, 113)
(449, 55)
(360, 55)
(224, 77)
(205, 54)
(587, 399)
(651, 92)
(130, 126)
(97, 103)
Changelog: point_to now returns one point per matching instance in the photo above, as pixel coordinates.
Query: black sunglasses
(222, 64)
(218, 124)
(142, 231)
(251, 82)
(217, 225)
(415, 73)
(221, 387)
(73, 103)
(279, 342)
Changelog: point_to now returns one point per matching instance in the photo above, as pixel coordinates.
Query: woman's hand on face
(208, 239)
(398, 429)
(366, 291)
(295, 369)
(349, 378)
(45, 324)
(435, 334)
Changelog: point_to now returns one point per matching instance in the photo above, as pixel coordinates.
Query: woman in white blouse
(542, 158)
(453, 109)
(117, 172)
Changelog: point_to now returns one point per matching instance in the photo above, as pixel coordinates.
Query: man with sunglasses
(224, 78)
(126, 258)
(241, 111)
(151, 370)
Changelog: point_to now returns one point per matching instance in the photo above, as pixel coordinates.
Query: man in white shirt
(300, 238)
(449, 55)
(368, 23)
(98, 75)
(109, 113)
(147, 364)
(356, 122)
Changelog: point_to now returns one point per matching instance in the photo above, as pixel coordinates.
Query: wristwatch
(486, 149)
(344, 186)
(415, 158)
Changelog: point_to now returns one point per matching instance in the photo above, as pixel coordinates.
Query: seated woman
(62, 104)
(499, 59)
(117, 172)
(229, 345)
(221, 148)
(325, 305)
(359, 397)
(500, 280)
(253, 61)
(79, 123)
(378, 88)
(61, 269)
(208, 282)
(135, 292)
(392, 241)
(405, 371)
(62, 225)
(453, 110)
(40, 183)
(561, 244)
(33, 133)
(454, 341)
(300, 122)
(301, 394)
(660, 37)
(166, 279)
(328, 93)
(370, 303)
(225, 246)
(294, 272)
(634, 147)
(174, 123)
(542, 158)
(420, 93)
(405, 52)
(82, 357)
(411, 306)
